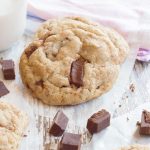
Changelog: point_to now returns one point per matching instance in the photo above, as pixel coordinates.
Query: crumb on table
(132, 87)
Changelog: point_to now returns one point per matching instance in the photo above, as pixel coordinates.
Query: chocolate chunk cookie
(137, 147)
(72, 60)
(13, 123)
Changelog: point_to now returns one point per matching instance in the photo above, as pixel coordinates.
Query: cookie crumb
(132, 87)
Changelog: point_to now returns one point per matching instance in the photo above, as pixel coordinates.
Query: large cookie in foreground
(72, 60)
(13, 123)
(137, 147)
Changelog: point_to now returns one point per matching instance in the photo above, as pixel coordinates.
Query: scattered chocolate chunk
(147, 116)
(25, 135)
(8, 69)
(70, 141)
(3, 89)
(138, 123)
(145, 123)
(31, 49)
(98, 121)
(76, 72)
(59, 124)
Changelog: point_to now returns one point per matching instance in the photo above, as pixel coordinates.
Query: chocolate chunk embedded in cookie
(77, 72)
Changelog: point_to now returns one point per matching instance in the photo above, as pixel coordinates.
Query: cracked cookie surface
(13, 123)
(46, 63)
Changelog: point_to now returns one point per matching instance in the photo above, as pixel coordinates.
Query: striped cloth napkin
(127, 17)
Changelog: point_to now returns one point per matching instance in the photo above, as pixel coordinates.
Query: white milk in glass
(12, 21)
(6, 5)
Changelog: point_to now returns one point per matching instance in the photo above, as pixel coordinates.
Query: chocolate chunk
(145, 123)
(70, 141)
(138, 123)
(8, 69)
(147, 116)
(98, 121)
(3, 89)
(31, 49)
(76, 72)
(59, 124)
(40, 83)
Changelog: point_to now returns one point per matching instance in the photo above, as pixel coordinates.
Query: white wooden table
(140, 79)
(137, 92)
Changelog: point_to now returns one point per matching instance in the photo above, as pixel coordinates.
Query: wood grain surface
(137, 92)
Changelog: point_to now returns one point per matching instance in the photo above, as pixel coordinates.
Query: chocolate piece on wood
(145, 123)
(76, 73)
(70, 141)
(8, 69)
(98, 121)
(59, 124)
(3, 89)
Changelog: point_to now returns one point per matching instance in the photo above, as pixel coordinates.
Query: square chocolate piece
(70, 141)
(98, 121)
(8, 69)
(145, 123)
(59, 124)
(3, 89)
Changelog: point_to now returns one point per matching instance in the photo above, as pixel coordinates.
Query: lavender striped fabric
(143, 54)
(41, 10)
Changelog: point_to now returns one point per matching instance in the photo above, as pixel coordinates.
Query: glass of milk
(12, 21)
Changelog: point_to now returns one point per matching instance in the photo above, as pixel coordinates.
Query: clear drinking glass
(12, 21)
